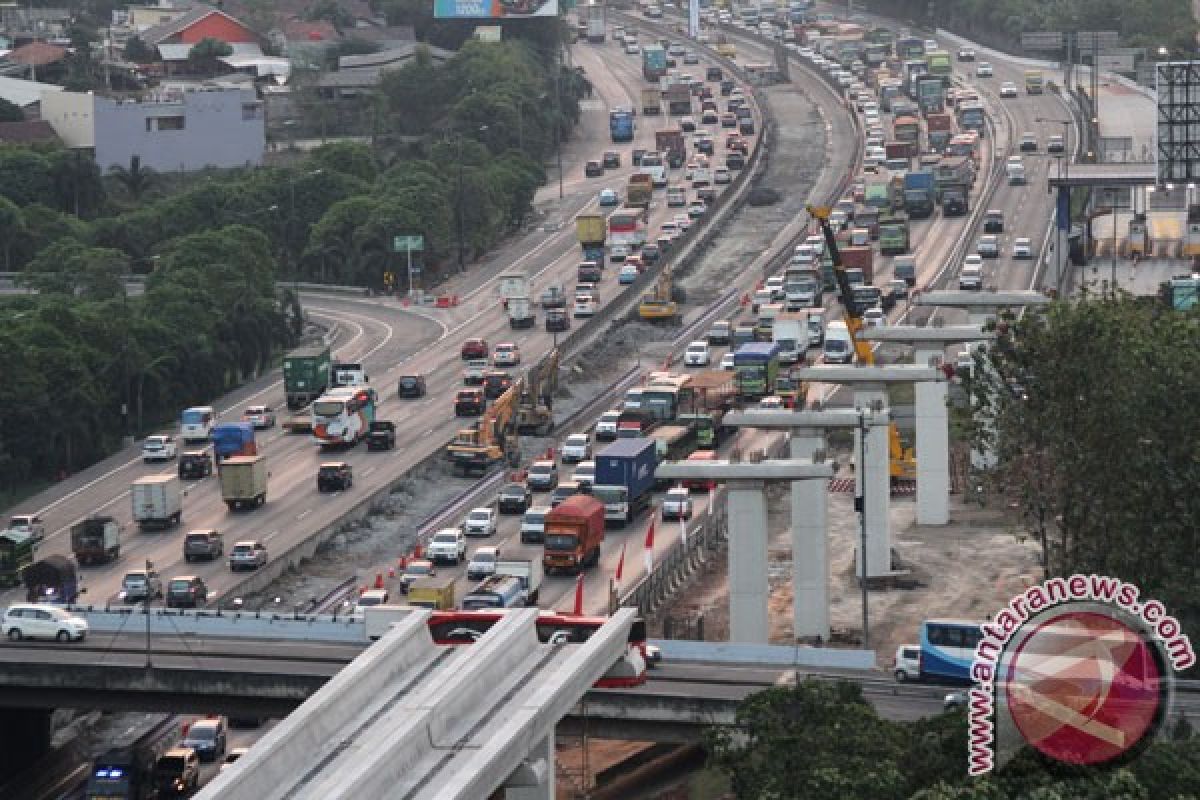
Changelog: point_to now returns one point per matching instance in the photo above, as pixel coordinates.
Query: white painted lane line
(303, 513)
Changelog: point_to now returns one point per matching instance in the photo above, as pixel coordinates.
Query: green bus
(16, 553)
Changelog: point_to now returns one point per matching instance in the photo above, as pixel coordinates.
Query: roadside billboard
(494, 9)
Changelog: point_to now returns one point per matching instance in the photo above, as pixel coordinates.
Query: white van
(196, 423)
(839, 348)
(816, 326)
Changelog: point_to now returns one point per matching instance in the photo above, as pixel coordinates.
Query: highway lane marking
(303, 513)
(267, 536)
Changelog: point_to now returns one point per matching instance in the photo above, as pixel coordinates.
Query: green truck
(893, 234)
(306, 375)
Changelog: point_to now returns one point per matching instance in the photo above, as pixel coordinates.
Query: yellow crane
(535, 404)
(903, 462)
(493, 440)
(658, 304)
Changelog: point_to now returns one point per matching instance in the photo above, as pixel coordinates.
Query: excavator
(659, 305)
(902, 461)
(493, 440)
(535, 406)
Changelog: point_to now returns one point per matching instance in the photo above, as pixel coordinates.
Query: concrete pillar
(875, 474)
(24, 737)
(534, 780)
(810, 544)
(933, 445)
(747, 562)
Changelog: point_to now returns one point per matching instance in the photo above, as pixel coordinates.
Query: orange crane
(493, 440)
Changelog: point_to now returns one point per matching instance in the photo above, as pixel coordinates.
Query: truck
(931, 94)
(620, 126)
(877, 194)
(574, 531)
(432, 591)
(907, 128)
(528, 571)
(520, 313)
(956, 200)
(801, 288)
(16, 553)
(939, 127)
(893, 239)
(919, 194)
(495, 591)
(96, 540)
(306, 375)
(597, 25)
(861, 258)
(157, 501)
(671, 142)
(791, 334)
(713, 394)
(651, 101)
(625, 478)
(654, 62)
(678, 97)
(53, 579)
(1034, 82)
(244, 482)
(381, 435)
(898, 149)
(516, 284)
(953, 171)
(233, 439)
(755, 368)
(640, 191)
(590, 231)
(673, 442)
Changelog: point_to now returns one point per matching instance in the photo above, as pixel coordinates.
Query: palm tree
(137, 180)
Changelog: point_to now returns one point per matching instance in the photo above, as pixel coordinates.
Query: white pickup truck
(473, 371)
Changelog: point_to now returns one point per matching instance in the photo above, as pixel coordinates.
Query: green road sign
(401, 244)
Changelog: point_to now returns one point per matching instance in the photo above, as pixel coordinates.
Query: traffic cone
(417, 551)
(378, 580)
(745, 300)
(403, 562)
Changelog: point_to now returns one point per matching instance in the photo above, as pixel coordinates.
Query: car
(448, 544)
(771, 402)
(983, 70)
(650, 254)
(575, 448)
(1056, 144)
(606, 426)
(697, 210)
(719, 332)
(1008, 89)
(557, 320)
(186, 591)
(691, 58)
(735, 161)
(774, 285)
(628, 274)
(988, 246)
(954, 701)
(562, 492)
(334, 476)
(506, 354)
(611, 160)
(1029, 142)
(676, 197)
(727, 120)
(474, 349)
(677, 504)
(195, 464)
(411, 386)
(232, 756)
(585, 473)
(683, 222)
(722, 176)
(609, 197)
(207, 737)
(687, 124)
(727, 362)
(483, 563)
(159, 447)
(874, 317)
(141, 585)
(177, 772)
(207, 544)
(966, 54)
(632, 49)
(906, 665)
(542, 476)
(1022, 247)
(993, 221)
(697, 354)
(480, 521)
(414, 570)
(704, 144)
(261, 417)
(38, 621)
(533, 525)
(971, 275)
(247, 555)
(514, 498)
(593, 169)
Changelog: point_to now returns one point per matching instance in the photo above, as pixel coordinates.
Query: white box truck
(529, 571)
(157, 501)
(790, 332)
(244, 481)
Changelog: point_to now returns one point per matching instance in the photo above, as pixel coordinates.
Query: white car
(232, 756)
(606, 426)
(632, 48)
(585, 473)
(628, 274)
(506, 354)
(1022, 248)
(36, 621)
(676, 197)
(677, 504)
(480, 522)
(260, 417)
(727, 362)
(775, 285)
(448, 544)
(585, 305)
(722, 176)
(370, 598)
(576, 447)
(1008, 89)
(874, 318)
(159, 447)
(619, 252)
(483, 563)
(697, 354)
(983, 70)
(906, 666)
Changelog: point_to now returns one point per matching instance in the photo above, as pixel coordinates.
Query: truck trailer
(244, 481)
(306, 375)
(625, 477)
(574, 531)
(157, 501)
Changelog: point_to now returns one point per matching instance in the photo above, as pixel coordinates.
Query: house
(172, 131)
(360, 73)
(175, 38)
(31, 131)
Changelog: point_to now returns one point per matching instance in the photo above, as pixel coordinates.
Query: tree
(72, 268)
(137, 179)
(24, 176)
(334, 13)
(12, 225)
(78, 185)
(10, 112)
(205, 53)
(137, 51)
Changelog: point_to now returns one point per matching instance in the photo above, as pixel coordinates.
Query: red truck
(574, 531)
(672, 143)
(862, 258)
(896, 149)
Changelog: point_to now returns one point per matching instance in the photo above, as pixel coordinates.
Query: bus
(948, 649)
(342, 416)
(964, 144)
(755, 369)
(627, 227)
(196, 423)
(970, 118)
(939, 65)
(464, 627)
(665, 395)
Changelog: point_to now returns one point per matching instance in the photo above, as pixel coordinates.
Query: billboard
(494, 9)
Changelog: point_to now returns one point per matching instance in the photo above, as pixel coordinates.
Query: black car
(612, 159)
(496, 383)
(650, 254)
(411, 386)
(704, 145)
(714, 74)
(735, 161)
(195, 464)
(557, 319)
(334, 476)
(593, 169)
(706, 194)
(514, 498)
(186, 591)
(726, 88)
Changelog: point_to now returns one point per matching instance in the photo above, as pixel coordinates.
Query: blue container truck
(620, 126)
(625, 478)
(919, 194)
(233, 439)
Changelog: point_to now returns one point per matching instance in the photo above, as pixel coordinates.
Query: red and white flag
(648, 552)
(621, 563)
(579, 594)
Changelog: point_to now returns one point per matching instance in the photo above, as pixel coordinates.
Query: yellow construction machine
(493, 440)
(535, 405)
(903, 462)
(659, 304)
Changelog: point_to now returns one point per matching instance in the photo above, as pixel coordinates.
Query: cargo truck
(16, 553)
(574, 531)
(495, 591)
(791, 334)
(244, 482)
(713, 393)
(673, 442)
(96, 540)
(53, 579)
(590, 230)
(755, 368)
(954, 171)
(801, 288)
(651, 101)
(157, 501)
(919, 194)
(516, 284)
(931, 94)
(955, 200)
(939, 129)
(861, 258)
(897, 149)
(432, 591)
(596, 24)
(671, 142)
(654, 62)
(893, 237)
(528, 571)
(625, 478)
(1033, 81)
(306, 375)
(233, 439)
(520, 313)
(678, 97)
(640, 190)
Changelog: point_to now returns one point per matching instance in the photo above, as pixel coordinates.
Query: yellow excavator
(903, 462)
(659, 305)
(535, 406)
(493, 440)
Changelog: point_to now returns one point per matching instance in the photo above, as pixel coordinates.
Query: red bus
(464, 627)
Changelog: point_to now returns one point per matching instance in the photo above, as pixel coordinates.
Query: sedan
(697, 210)
(687, 124)
(691, 58)
(697, 354)
(609, 197)
(677, 504)
(727, 362)
(1022, 248)
(989, 246)
(576, 447)
(627, 275)
(480, 522)
(983, 70)
(1055, 144)
(593, 169)
(612, 159)
(631, 48)
(1008, 89)
(514, 498)
(1029, 143)
(260, 416)
(507, 354)
(721, 176)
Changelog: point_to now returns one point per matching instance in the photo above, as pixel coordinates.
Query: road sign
(1115, 62)
(401, 244)
(1042, 40)
(1087, 42)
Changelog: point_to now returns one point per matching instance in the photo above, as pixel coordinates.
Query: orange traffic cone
(403, 562)
(417, 551)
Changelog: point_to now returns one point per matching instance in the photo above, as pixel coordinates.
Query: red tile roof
(38, 54)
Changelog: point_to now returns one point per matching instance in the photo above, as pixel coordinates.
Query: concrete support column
(875, 474)
(981, 459)
(534, 780)
(810, 544)
(747, 562)
(933, 445)
(24, 737)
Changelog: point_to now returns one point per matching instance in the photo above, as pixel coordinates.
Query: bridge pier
(25, 735)
(534, 779)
